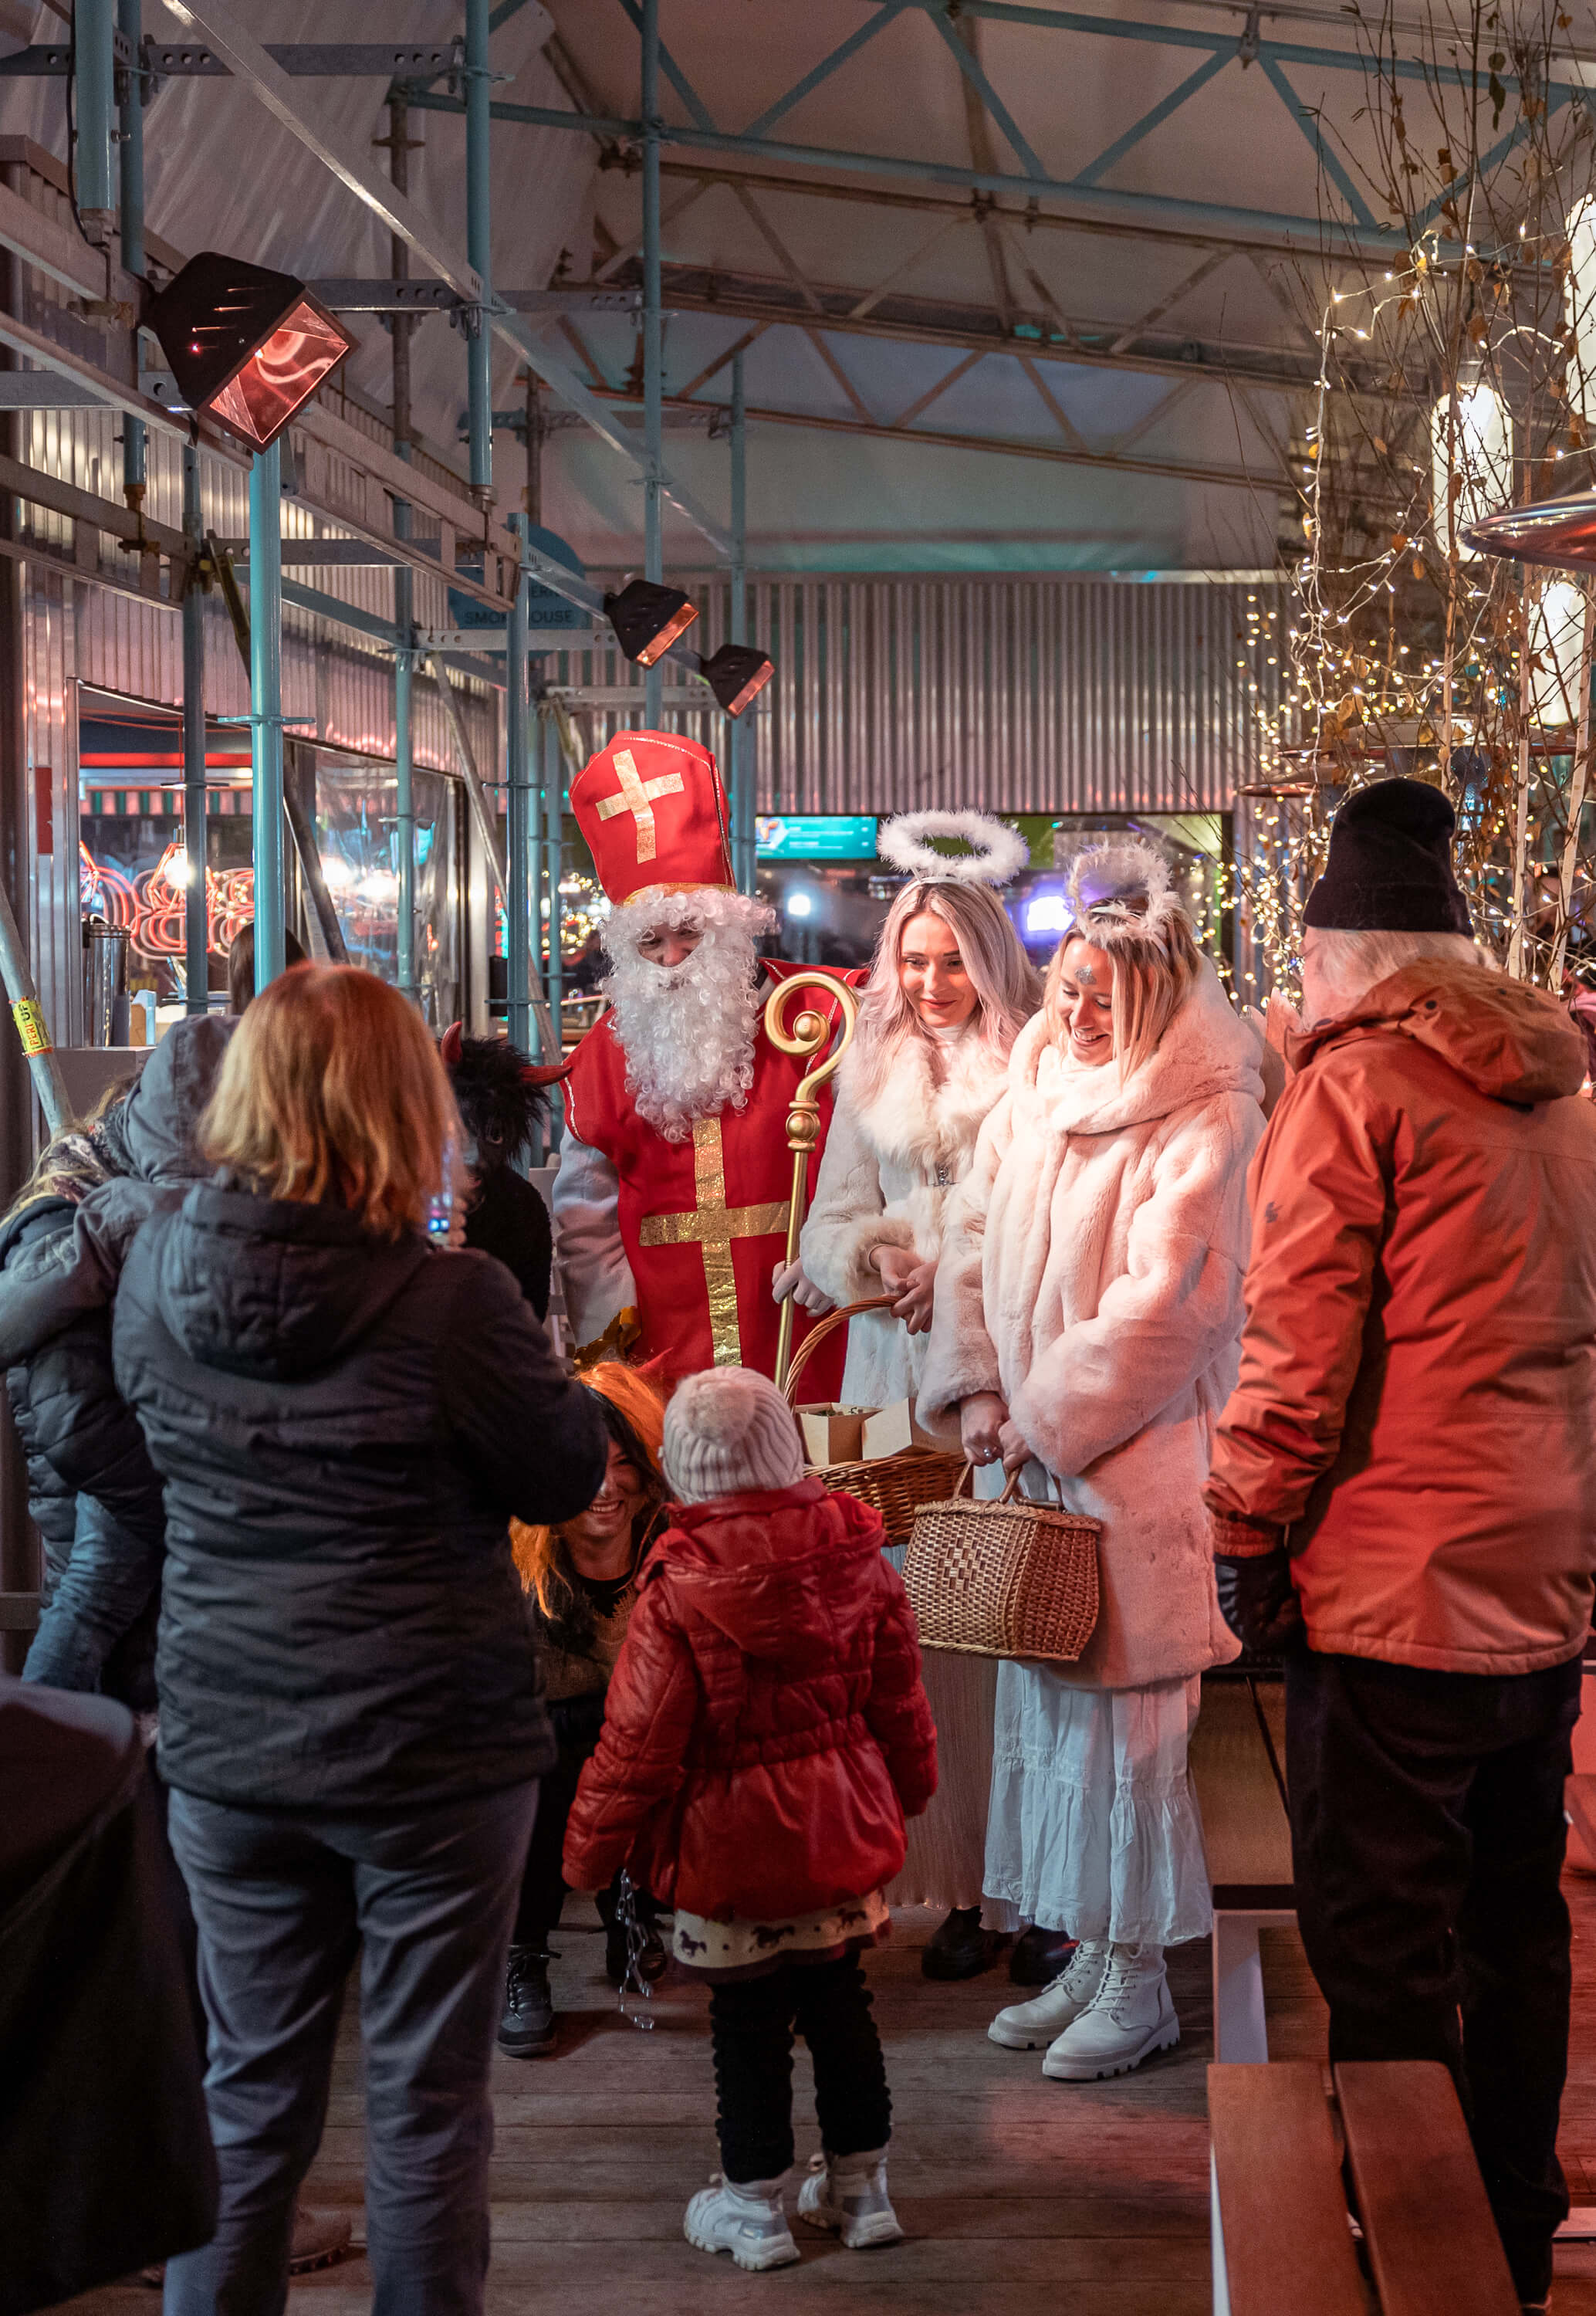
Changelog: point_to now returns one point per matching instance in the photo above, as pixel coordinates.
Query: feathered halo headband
(996, 852)
(1121, 888)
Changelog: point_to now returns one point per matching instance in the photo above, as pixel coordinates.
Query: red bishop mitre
(653, 812)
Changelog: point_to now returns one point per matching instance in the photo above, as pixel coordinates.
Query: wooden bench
(1248, 1841)
(1282, 2240)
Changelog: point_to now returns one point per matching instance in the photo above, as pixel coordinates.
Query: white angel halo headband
(996, 852)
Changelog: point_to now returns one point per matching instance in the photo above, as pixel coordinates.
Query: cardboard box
(891, 1430)
(832, 1434)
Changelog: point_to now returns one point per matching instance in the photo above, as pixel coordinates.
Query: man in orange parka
(1403, 1486)
(670, 1204)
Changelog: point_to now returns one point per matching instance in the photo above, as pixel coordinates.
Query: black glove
(1258, 1599)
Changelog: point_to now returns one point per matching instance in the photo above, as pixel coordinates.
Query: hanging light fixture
(736, 674)
(1470, 444)
(647, 619)
(1557, 639)
(247, 345)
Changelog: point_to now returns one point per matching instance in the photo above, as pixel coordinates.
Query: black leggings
(752, 2021)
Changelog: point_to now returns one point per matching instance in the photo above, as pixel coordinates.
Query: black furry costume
(501, 1102)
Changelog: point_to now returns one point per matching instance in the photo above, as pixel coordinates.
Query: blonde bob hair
(1154, 968)
(1006, 983)
(331, 1093)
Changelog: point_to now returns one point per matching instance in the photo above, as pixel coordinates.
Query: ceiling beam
(1269, 227)
(1105, 461)
(741, 298)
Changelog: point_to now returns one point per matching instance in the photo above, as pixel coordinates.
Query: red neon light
(153, 909)
(122, 761)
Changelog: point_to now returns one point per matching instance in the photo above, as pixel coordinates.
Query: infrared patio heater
(247, 346)
(648, 618)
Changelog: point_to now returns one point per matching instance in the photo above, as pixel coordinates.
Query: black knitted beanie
(1390, 865)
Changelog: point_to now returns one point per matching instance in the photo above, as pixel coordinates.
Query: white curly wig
(687, 1031)
(996, 852)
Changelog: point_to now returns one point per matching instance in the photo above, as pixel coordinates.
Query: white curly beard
(687, 1031)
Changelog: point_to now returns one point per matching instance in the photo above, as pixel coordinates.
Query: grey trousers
(283, 1904)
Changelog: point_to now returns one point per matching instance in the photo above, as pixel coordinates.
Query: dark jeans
(284, 1903)
(751, 2023)
(578, 1723)
(1428, 1833)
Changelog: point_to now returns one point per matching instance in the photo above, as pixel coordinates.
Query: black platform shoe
(959, 1946)
(1038, 1955)
(527, 2029)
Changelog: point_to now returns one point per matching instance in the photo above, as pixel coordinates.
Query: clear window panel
(357, 832)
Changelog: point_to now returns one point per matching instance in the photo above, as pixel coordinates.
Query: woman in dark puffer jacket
(344, 1420)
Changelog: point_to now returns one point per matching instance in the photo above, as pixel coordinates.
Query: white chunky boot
(1032, 2026)
(847, 2195)
(1129, 2017)
(744, 2217)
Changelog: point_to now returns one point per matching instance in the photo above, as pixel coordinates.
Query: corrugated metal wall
(1030, 694)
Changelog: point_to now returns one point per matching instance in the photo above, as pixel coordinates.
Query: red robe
(703, 1221)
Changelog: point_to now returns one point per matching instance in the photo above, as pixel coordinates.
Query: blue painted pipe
(479, 239)
(196, 925)
(131, 20)
(654, 338)
(93, 101)
(521, 833)
(266, 726)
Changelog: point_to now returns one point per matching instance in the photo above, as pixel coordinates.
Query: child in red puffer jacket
(765, 1735)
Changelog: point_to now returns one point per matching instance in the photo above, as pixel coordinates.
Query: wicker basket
(895, 1486)
(1003, 1579)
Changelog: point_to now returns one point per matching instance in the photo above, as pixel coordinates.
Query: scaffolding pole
(130, 20)
(403, 586)
(654, 338)
(743, 727)
(479, 229)
(196, 907)
(520, 937)
(266, 720)
(553, 832)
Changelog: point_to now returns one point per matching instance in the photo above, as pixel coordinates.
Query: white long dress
(1091, 1273)
(891, 1162)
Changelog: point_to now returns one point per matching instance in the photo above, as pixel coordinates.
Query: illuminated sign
(815, 836)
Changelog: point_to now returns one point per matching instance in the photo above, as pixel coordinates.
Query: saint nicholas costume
(671, 1208)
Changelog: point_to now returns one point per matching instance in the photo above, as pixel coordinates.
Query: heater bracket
(52, 60)
(302, 59)
(345, 294)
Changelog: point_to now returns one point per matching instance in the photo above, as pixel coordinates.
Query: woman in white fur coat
(949, 989)
(1088, 1321)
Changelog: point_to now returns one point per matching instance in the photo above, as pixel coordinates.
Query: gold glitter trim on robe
(636, 797)
(712, 1226)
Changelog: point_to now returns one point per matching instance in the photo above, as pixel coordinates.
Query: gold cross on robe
(636, 797)
(712, 1226)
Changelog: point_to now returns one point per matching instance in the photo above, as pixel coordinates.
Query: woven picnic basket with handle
(1002, 1578)
(896, 1486)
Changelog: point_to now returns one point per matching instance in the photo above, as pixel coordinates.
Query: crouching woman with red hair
(764, 1737)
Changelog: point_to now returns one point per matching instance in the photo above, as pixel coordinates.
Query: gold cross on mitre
(712, 1226)
(636, 797)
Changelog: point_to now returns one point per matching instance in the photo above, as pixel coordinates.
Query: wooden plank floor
(1013, 2189)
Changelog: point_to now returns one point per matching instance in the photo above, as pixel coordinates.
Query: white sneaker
(1029, 2025)
(847, 2195)
(745, 2218)
(1131, 2017)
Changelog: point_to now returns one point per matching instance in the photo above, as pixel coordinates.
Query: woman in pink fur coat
(1088, 1313)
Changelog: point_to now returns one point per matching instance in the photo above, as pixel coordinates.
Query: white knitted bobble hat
(726, 1430)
